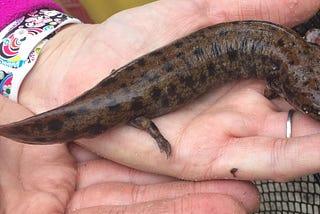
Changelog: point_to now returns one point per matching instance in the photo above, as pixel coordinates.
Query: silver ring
(289, 123)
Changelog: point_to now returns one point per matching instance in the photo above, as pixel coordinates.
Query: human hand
(49, 179)
(234, 127)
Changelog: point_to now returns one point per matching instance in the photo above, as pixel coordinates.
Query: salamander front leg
(148, 126)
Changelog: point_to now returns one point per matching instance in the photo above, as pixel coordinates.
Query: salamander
(172, 76)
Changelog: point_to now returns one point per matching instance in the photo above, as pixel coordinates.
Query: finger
(195, 203)
(127, 194)
(248, 120)
(81, 155)
(275, 125)
(238, 113)
(269, 158)
(108, 171)
(193, 15)
(285, 12)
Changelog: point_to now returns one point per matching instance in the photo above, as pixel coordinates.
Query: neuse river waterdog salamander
(169, 77)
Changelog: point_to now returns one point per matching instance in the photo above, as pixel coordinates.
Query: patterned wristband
(20, 45)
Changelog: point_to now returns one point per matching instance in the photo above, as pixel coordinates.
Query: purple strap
(11, 10)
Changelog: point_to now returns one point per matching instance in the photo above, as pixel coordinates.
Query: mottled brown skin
(167, 78)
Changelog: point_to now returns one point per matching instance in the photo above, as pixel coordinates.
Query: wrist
(47, 84)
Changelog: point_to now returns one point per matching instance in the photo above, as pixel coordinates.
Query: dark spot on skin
(252, 70)
(167, 67)
(199, 53)
(211, 68)
(123, 85)
(180, 100)
(130, 68)
(96, 129)
(164, 101)
(216, 49)
(225, 69)
(104, 83)
(232, 54)
(289, 91)
(233, 171)
(280, 43)
(156, 92)
(55, 125)
(181, 55)
(172, 89)
(113, 105)
(258, 45)
(203, 77)
(163, 58)
(137, 104)
(244, 44)
(37, 127)
(141, 62)
(188, 81)
(292, 62)
(223, 32)
(69, 114)
(274, 63)
(156, 53)
(178, 44)
(264, 59)
(272, 80)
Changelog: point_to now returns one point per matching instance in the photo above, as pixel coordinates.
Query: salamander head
(301, 88)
